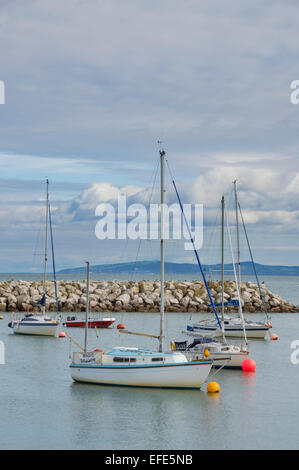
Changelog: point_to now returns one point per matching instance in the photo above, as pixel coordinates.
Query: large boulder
(146, 286)
(124, 298)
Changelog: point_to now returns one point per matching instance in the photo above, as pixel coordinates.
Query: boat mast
(236, 280)
(161, 339)
(222, 264)
(46, 246)
(87, 306)
(238, 235)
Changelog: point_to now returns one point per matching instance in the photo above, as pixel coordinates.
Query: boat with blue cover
(39, 323)
(237, 327)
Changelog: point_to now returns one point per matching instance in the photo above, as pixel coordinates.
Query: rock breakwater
(142, 296)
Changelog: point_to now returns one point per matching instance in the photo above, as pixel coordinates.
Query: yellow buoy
(206, 353)
(213, 387)
(1, 318)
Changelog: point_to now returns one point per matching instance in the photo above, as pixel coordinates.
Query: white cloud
(293, 186)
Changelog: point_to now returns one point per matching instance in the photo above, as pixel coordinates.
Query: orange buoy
(95, 350)
(213, 387)
(274, 337)
(248, 365)
(269, 325)
(120, 326)
(62, 334)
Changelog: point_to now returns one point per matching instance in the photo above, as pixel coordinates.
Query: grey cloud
(208, 76)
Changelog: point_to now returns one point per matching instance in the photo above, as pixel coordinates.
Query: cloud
(102, 71)
(293, 186)
(263, 199)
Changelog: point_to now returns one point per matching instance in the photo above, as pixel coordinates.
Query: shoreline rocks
(139, 296)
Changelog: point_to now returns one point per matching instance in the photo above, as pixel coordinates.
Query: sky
(91, 86)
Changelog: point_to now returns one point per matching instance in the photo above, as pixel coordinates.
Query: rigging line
(235, 275)
(152, 185)
(194, 249)
(53, 258)
(253, 265)
(211, 240)
(150, 200)
(37, 240)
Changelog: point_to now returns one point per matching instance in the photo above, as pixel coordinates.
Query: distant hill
(153, 267)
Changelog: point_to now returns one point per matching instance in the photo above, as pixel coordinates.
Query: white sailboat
(217, 344)
(38, 323)
(137, 367)
(234, 326)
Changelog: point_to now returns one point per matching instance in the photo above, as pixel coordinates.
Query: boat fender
(172, 346)
(206, 353)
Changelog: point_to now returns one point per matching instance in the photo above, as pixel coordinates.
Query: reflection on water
(117, 408)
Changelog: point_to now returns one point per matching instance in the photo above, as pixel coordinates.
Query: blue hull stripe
(230, 329)
(136, 366)
(139, 386)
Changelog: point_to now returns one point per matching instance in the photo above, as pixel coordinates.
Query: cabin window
(156, 359)
(124, 359)
(118, 359)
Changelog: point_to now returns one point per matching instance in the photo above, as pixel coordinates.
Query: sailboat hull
(250, 333)
(36, 329)
(185, 375)
(235, 360)
(235, 332)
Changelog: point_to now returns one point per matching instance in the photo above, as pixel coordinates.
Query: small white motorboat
(74, 322)
(224, 355)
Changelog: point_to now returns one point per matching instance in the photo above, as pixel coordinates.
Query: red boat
(92, 322)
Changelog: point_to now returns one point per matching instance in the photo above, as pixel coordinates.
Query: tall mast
(238, 236)
(161, 341)
(87, 306)
(222, 262)
(46, 245)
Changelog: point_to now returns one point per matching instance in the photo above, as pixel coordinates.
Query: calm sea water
(41, 408)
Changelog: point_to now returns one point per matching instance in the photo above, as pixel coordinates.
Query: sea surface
(42, 408)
